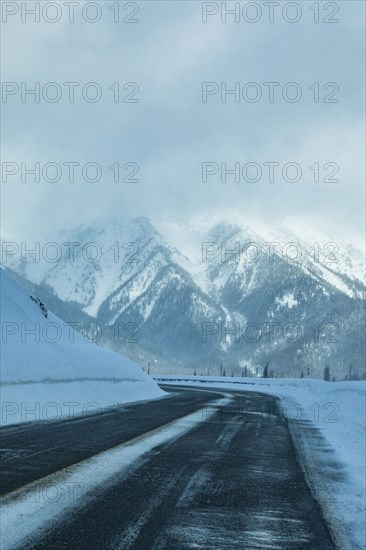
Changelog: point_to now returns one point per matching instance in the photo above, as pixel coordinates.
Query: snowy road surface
(230, 481)
(34, 450)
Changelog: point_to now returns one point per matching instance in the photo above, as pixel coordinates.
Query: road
(231, 482)
(33, 450)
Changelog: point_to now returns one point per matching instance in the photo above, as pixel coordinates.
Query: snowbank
(327, 422)
(48, 370)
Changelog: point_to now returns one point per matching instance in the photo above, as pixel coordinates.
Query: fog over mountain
(208, 295)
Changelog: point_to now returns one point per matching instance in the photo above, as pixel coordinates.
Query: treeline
(266, 372)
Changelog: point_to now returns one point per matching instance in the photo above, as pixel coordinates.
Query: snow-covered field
(327, 422)
(49, 371)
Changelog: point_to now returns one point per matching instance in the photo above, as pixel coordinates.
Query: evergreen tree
(265, 371)
(326, 373)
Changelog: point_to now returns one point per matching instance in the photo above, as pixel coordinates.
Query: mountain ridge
(223, 273)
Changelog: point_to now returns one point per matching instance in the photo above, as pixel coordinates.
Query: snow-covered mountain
(210, 291)
(43, 359)
(207, 242)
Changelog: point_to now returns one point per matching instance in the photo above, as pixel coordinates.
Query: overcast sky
(170, 132)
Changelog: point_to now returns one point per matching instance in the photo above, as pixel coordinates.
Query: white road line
(28, 511)
(126, 539)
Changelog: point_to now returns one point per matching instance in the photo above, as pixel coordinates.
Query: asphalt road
(31, 451)
(232, 482)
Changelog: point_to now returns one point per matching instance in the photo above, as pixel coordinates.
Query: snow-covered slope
(43, 359)
(263, 276)
(207, 242)
(93, 261)
(136, 280)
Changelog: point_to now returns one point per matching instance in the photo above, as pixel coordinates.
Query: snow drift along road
(48, 370)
